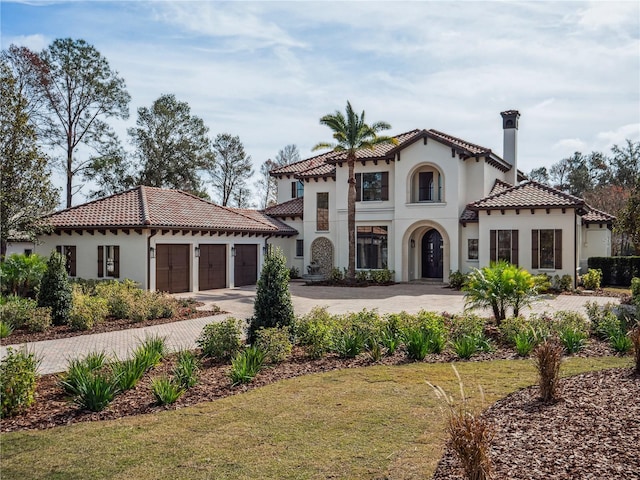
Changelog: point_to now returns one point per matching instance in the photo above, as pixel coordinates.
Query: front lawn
(374, 422)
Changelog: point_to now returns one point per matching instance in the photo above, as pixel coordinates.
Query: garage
(245, 265)
(212, 267)
(172, 268)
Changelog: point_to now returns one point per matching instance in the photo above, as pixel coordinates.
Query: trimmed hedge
(616, 270)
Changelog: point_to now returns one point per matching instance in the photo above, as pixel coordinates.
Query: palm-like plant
(352, 133)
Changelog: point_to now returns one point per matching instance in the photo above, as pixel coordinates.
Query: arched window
(427, 185)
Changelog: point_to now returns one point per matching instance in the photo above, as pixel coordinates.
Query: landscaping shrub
(381, 277)
(21, 274)
(572, 330)
(465, 346)
(524, 334)
(603, 320)
(275, 343)
(499, 286)
(6, 329)
(272, 306)
(616, 270)
(127, 373)
(620, 342)
(18, 379)
(335, 276)
(186, 369)
(87, 311)
(457, 280)
(390, 339)
(246, 365)
(55, 289)
(635, 288)
(151, 351)
(417, 343)
(165, 390)
(591, 280)
(542, 283)
(548, 356)
(17, 310)
(39, 320)
(120, 296)
(563, 284)
(221, 340)
(314, 332)
(79, 368)
(294, 273)
(95, 390)
(348, 343)
(525, 342)
(362, 276)
(635, 339)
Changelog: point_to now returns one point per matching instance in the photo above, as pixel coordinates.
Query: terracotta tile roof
(291, 208)
(381, 151)
(468, 216)
(499, 186)
(467, 147)
(597, 216)
(527, 195)
(162, 208)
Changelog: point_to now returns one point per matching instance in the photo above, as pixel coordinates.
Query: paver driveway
(239, 303)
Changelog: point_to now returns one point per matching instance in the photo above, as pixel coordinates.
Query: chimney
(510, 147)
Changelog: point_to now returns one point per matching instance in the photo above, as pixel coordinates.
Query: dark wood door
(212, 267)
(246, 265)
(432, 255)
(172, 268)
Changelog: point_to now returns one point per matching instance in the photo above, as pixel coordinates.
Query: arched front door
(432, 254)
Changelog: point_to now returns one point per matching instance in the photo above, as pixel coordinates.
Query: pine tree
(55, 290)
(273, 306)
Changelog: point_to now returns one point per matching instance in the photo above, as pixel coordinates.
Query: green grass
(374, 422)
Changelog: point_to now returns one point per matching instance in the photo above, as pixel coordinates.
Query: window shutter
(71, 255)
(492, 245)
(385, 185)
(100, 261)
(358, 187)
(514, 247)
(558, 249)
(294, 190)
(116, 262)
(534, 249)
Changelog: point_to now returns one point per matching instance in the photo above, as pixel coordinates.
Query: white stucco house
(431, 204)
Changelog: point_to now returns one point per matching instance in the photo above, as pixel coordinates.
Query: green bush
(21, 274)
(294, 273)
(390, 339)
(457, 280)
(221, 340)
(335, 276)
(40, 320)
(525, 334)
(416, 341)
(272, 306)
(165, 390)
(314, 332)
(127, 373)
(6, 329)
(246, 365)
(616, 270)
(572, 330)
(362, 276)
(562, 284)
(18, 380)
(635, 288)
(499, 286)
(381, 277)
(465, 346)
(95, 390)
(525, 342)
(17, 310)
(348, 343)
(79, 368)
(151, 351)
(591, 280)
(186, 369)
(275, 343)
(55, 290)
(620, 342)
(87, 311)
(542, 283)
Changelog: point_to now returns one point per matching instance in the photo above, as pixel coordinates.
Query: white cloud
(609, 15)
(35, 42)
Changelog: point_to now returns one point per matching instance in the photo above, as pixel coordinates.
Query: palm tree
(351, 133)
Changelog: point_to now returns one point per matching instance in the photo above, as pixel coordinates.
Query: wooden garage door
(212, 267)
(246, 265)
(172, 268)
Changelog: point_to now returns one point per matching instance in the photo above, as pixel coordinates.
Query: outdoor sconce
(152, 252)
(233, 251)
(197, 252)
(413, 243)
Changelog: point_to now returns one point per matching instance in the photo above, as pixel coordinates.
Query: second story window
(371, 187)
(426, 185)
(297, 189)
(322, 211)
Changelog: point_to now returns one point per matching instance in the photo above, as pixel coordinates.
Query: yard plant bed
(592, 432)
(64, 331)
(53, 408)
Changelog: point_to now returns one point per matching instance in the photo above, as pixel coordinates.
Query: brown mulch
(112, 324)
(52, 408)
(591, 432)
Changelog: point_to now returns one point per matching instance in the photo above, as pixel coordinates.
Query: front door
(432, 254)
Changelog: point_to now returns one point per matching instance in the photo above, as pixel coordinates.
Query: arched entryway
(432, 264)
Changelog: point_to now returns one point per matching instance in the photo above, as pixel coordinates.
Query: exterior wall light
(233, 251)
(413, 243)
(152, 252)
(197, 252)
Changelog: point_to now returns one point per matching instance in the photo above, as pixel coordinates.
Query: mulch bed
(592, 432)
(52, 408)
(109, 325)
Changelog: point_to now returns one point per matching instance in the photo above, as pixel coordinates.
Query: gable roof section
(527, 195)
(597, 216)
(292, 208)
(150, 207)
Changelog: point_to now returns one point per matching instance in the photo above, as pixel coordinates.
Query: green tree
(233, 167)
(55, 289)
(629, 218)
(351, 133)
(26, 191)
(80, 91)
(273, 306)
(171, 145)
(540, 175)
(625, 164)
(499, 286)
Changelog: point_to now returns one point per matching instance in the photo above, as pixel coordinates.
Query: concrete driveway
(238, 302)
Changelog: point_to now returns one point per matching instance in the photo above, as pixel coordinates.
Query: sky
(268, 71)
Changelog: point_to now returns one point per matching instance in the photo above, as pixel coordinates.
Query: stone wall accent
(322, 254)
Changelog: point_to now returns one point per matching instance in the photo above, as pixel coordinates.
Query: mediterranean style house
(433, 204)
(427, 206)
